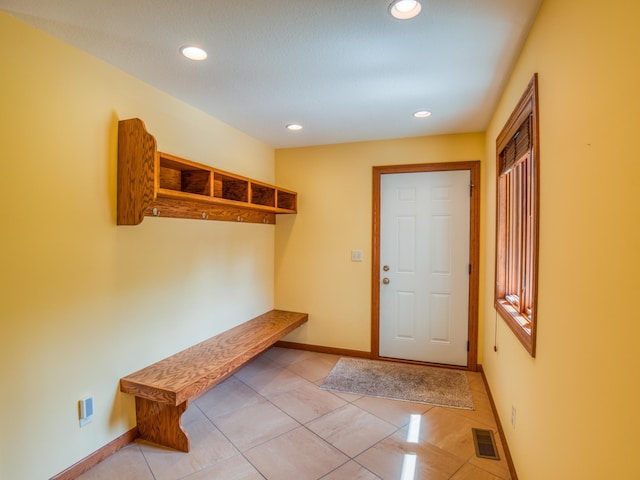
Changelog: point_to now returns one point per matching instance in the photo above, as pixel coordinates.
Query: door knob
(385, 280)
(386, 268)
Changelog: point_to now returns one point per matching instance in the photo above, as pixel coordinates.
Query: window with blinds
(517, 219)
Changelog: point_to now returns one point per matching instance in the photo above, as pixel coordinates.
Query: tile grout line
(146, 461)
(300, 424)
(239, 452)
(348, 402)
(349, 458)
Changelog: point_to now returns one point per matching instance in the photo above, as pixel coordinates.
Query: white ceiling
(346, 70)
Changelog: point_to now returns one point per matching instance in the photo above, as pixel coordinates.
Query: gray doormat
(397, 381)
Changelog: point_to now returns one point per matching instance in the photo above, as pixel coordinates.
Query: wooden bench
(164, 389)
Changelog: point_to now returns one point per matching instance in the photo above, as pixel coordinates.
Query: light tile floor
(270, 421)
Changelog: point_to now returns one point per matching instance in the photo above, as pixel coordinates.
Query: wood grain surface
(136, 162)
(164, 388)
(153, 183)
(160, 423)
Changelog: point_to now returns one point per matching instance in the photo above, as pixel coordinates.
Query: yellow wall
(577, 413)
(82, 301)
(314, 271)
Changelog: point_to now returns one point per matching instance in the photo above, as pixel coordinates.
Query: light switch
(356, 255)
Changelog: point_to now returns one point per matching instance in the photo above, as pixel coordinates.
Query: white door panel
(424, 242)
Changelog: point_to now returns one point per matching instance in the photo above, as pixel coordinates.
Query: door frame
(474, 252)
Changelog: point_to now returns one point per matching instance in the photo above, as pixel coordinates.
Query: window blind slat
(518, 146)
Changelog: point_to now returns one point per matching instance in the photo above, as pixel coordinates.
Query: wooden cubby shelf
(152, 183)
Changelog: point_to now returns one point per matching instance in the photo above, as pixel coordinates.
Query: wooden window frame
(517, 219)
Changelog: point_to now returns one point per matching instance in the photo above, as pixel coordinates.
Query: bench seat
(164, 389)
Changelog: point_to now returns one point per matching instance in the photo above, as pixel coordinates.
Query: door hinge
(471, 186)
(467, 345)
(469, 269)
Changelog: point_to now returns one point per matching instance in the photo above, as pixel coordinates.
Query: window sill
(522, 320)
(519, 324)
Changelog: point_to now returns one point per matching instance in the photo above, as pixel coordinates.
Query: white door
(424, 263)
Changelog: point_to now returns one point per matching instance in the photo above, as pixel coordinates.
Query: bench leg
(160, 423)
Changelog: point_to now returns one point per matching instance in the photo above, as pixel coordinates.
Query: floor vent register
(485, 444)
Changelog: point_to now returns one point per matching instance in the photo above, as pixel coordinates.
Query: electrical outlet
(85, 410)
(513, 416)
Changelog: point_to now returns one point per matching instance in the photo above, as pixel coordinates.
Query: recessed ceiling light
(404, 9)
(294, 126)
(193, 53)
(422, 114)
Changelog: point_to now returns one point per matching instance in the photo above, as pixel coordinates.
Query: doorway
(425, 263)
